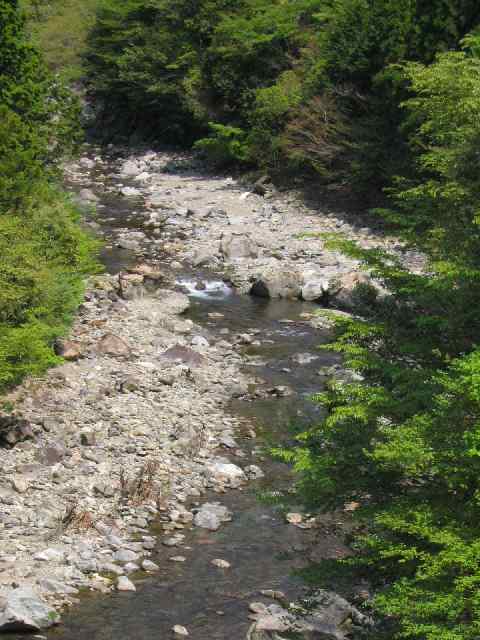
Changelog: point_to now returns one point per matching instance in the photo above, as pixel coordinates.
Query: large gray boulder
(278, 282)
(238, 246)
(211, 516)
(173, 302)
(325, 616)
(314, 290)
(224, 472)
(22, 610)
(205, 255)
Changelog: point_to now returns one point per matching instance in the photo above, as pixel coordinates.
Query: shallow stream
(263, 550)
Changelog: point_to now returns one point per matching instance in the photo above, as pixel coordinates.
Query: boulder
(173, 302)
(123, 556)
(20, 483)
(124, 584)
(130, 192)
(226, 473)
(68, 349)
(260, 187)
(235, 246)
(86, 163)
(183, 355)
(130, 168)
(50, 555)
(131, 285)
(149, 272)
(51, 454)
(278, 282)
(14, 428)
(112, 345)
(52, 585)
(324, 616)
(314, 290)
(87, 196)
(22, 610)
(204, 255)
(211, 516)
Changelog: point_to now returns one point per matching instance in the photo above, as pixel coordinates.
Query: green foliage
(144, 61)
(225, 146)
(44, 254)
(167, 68)
(403, 441)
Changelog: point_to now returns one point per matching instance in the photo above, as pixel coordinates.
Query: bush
(226, 146)
(44, 258)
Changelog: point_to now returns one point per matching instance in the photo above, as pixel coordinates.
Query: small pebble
(180, 631)
(178, 558)
(221, 564)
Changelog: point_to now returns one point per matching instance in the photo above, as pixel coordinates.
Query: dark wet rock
(22, 610)
(14, 429)
(253, 472)
(88, 438)
(260, 186)
(68, 349)
(280, 391)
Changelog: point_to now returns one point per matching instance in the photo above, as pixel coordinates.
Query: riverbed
(208, 238)
(263, 550)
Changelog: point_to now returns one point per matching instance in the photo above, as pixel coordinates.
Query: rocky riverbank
(264, 242)
(133, 427)
(120, 436)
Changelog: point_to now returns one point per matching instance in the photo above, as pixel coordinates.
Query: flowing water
(264, 551)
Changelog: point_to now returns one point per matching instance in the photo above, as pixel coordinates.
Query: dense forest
(44, 254)
(377, 98)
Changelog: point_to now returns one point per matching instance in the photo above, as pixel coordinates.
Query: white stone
(50, 555)
(23, 610)
(124, 584)
(180, 631)
(221, 564)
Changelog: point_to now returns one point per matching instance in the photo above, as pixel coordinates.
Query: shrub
(226, 146)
